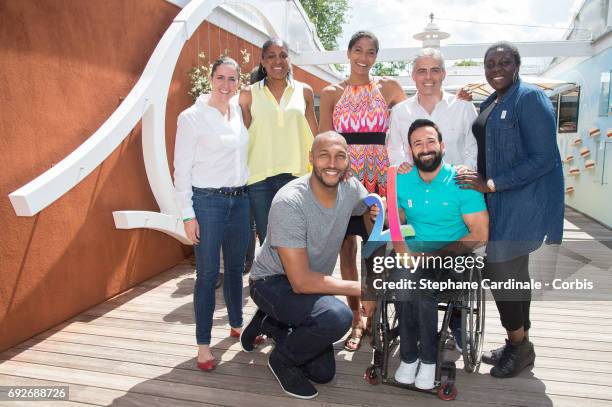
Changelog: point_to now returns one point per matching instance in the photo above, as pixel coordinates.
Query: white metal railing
(146, 101)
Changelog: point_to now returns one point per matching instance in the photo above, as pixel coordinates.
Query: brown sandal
(353, 342)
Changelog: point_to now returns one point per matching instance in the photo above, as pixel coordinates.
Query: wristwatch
(491, 185)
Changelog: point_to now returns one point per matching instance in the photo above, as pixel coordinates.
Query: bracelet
(187, 219)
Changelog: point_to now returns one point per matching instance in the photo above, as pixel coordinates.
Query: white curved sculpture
(147, 100)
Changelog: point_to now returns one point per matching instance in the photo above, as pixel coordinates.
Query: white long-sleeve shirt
(210, 151)
(454, 118)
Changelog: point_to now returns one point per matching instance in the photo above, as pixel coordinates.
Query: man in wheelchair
(448, 221)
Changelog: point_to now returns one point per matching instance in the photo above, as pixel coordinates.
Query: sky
(396, 21)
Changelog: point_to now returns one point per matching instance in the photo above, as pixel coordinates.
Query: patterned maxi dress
(362, 117)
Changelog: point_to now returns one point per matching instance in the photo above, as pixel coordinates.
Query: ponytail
(260, 74)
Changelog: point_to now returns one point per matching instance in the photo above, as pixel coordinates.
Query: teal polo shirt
(435, 210)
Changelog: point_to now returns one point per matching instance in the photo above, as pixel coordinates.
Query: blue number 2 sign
(396, 231)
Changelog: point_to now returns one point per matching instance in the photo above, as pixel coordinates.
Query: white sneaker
(406, 372)
(426, 376)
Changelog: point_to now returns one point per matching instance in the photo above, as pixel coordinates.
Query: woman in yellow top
(279, 113)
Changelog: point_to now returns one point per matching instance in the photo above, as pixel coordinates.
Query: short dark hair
(225, 60)
(363, 34)
(418, 123)
(506, 46)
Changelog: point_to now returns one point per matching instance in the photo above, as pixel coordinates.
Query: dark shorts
(356, 227)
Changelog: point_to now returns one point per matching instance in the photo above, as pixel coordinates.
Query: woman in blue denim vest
(519, 169)
(210, 175)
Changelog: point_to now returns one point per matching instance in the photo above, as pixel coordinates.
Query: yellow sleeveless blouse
(279, 136)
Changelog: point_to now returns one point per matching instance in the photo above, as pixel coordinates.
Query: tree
(466, 62)
(328, 16)
(388, 68)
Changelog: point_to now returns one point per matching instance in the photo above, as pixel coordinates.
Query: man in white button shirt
(453, 116)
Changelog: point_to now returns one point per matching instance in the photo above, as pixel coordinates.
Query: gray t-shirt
(298, 220)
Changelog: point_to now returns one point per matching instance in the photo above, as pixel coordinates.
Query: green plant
(199, 75)
(328, 17)
(466, 62)
(389, 68)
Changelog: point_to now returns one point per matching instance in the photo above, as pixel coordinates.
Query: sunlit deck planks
(138, 349)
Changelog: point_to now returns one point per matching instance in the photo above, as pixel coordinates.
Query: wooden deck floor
(137, 349)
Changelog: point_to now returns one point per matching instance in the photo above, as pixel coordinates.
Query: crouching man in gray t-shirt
(291, 280)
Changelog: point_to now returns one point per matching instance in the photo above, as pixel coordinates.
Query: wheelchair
(468, 303)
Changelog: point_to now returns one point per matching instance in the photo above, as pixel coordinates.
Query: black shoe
(275, 329)
(514, 359)
(251, 331)
(219, 282)
(492, 356)
(291, 378)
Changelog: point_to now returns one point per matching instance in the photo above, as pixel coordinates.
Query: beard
(318, 173)
(428, 166)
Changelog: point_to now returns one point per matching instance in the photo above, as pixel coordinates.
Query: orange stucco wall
(64, 68)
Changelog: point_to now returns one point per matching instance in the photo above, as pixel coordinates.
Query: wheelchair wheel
(371, 375)
(385, 336)
(473, 323)
(447, 392)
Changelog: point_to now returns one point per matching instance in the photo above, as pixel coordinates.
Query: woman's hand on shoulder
(404, 168)
(470, 179)
(464, 94)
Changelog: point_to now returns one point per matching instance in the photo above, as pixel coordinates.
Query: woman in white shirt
(210, 176)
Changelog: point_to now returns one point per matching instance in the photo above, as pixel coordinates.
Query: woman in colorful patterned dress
(358, 108)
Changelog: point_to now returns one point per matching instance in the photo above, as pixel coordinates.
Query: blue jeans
(261, 194)
(418, 328)
(224, 223)
(418, 319)
(304, 326)
(418, 316)
(250, 255)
